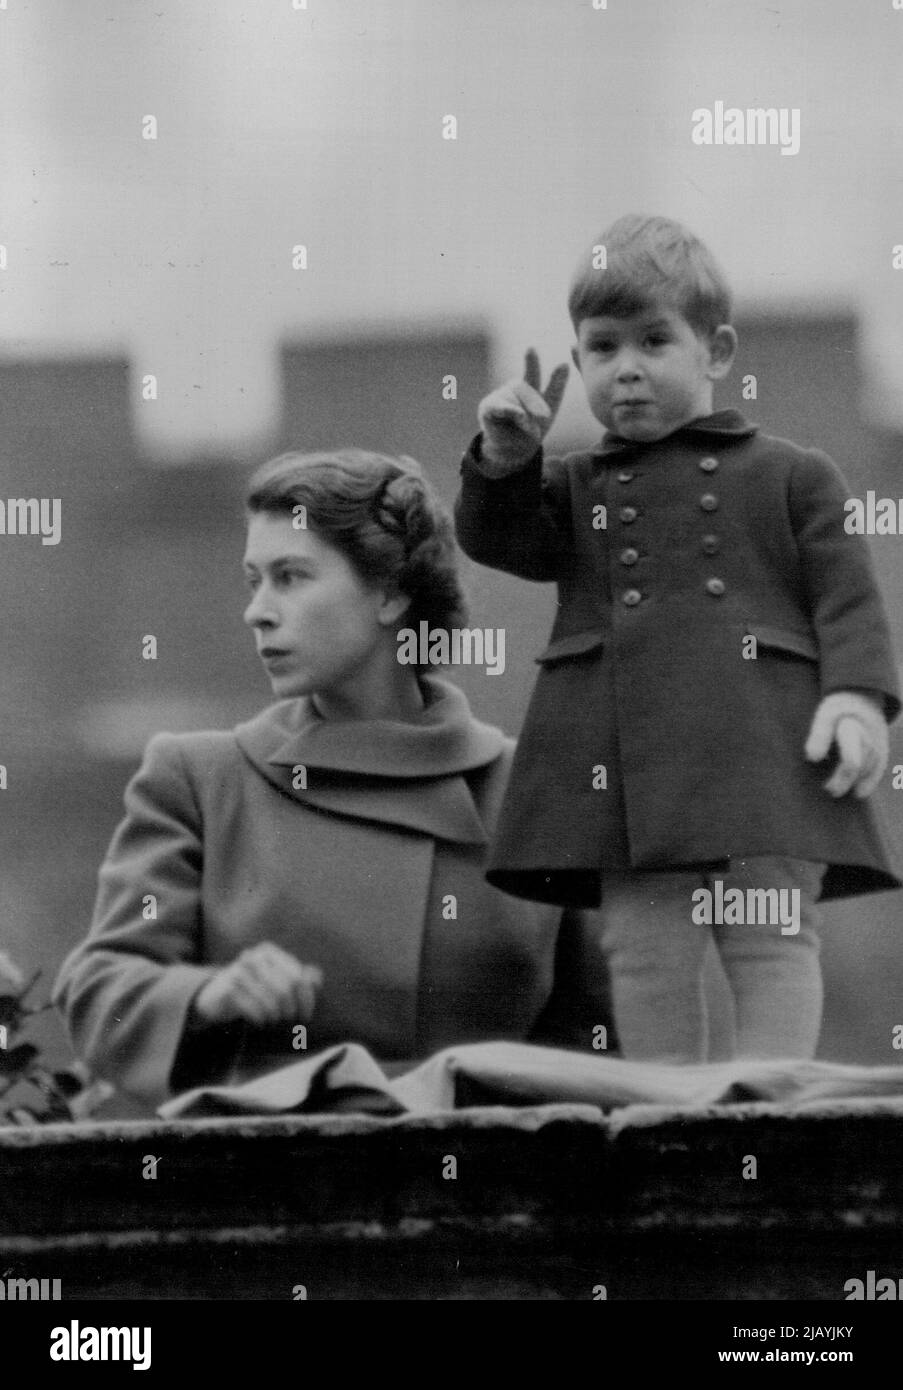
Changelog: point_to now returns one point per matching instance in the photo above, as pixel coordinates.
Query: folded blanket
(347, 1078)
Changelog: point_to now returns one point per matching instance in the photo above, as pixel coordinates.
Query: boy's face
(647, 375)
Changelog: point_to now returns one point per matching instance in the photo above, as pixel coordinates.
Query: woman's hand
(263, 985)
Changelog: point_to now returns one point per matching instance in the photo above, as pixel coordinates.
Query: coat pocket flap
(574, 645)
(783, 639)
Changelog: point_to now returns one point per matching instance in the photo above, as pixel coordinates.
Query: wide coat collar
(723, 424)
(410, 774)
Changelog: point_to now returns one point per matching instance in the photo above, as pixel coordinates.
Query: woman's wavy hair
(383, 516)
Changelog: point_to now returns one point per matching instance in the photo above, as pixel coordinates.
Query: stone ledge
(548, 1200)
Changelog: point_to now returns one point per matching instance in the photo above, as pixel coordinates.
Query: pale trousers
(655, 936)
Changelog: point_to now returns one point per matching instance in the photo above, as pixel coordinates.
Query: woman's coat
(359, 847)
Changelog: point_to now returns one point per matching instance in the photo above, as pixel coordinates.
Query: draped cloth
(347, 1078)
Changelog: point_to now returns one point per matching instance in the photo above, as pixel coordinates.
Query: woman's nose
(259, 610)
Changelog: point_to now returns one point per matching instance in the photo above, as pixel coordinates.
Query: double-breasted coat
(374, 871)
(658, 736)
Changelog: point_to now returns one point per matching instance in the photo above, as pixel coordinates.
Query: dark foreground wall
(551, 1202)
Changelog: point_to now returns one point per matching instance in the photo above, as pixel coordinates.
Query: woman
(322, 865)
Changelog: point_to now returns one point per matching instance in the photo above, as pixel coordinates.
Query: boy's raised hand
(516, 417)
(859, 729)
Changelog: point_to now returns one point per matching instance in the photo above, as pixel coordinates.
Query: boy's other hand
(516, 417)
(858, 727)
(264, 985)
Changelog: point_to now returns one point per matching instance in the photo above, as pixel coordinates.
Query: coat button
(631, 597)
(628, 514)
(625, 476)
(708, 465)
(711, 545)
(708, 502)
(715, 586)
(629, 556)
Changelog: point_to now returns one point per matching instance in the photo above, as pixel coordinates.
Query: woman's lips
(272, 656)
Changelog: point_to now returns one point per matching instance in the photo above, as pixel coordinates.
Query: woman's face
(318, 626)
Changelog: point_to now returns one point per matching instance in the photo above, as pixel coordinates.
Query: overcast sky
(323, 126)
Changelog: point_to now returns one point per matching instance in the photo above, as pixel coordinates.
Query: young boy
(719, 638)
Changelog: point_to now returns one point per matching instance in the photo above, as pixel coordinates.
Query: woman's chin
(288, 687)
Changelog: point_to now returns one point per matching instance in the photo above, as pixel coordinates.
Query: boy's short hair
(649, 260)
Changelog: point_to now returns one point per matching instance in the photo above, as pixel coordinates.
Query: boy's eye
(658, 339)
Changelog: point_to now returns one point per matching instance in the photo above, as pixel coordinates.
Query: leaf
(21, 1115)
(17, 1059)
(67, 1083)
(28, 987)
(43, 1080)
(10, 1008)
(10, 972)
(54, 1110)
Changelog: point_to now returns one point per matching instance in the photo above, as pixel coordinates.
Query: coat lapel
(411, 775)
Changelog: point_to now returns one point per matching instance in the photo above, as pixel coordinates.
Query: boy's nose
(628, 367)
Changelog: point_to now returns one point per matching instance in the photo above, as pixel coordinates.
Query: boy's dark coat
(702, 747)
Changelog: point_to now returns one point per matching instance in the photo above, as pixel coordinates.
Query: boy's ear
(722, 351)
(575, 356)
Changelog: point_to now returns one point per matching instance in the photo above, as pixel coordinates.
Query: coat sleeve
(580, 1001)
(520, 523)
(126, 991)
(855, 648)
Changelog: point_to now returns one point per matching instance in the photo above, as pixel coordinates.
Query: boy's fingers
(554, 392)
(516, 402)
(821, 733)
(532, 373)
(533, 401)
(871, 777)
(850, 746)
(874, 763)
(505, 412)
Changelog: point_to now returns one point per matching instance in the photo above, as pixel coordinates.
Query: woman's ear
(722, 351)
(392, 607)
